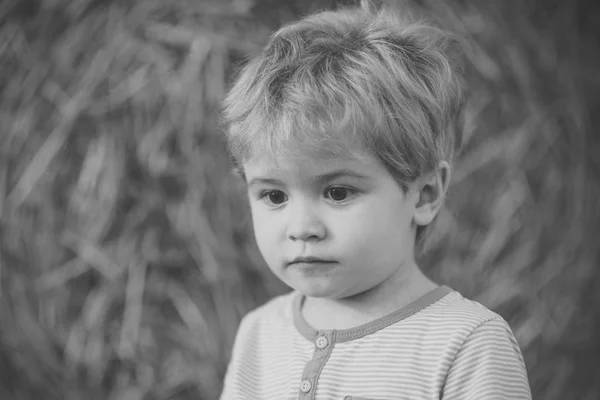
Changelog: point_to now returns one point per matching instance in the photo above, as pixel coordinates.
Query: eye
(275, 197)
(339, 193)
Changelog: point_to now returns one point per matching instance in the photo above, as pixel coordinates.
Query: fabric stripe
(453, 348)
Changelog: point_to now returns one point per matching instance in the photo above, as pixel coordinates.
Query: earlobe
(432, 191)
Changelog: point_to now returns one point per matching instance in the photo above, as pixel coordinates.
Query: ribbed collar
(344, 335)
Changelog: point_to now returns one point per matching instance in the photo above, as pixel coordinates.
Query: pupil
(338, 194)
(276, 197)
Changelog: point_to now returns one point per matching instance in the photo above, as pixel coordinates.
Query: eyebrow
(319, 178)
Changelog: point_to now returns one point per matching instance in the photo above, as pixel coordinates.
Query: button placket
(323, 345)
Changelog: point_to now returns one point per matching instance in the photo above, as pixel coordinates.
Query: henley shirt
(441, 346)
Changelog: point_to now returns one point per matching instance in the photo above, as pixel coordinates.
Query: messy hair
(367, 77)
(370, 77)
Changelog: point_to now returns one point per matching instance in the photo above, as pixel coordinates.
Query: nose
(305, 223)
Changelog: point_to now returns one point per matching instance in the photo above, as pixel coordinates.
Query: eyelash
(351, 194)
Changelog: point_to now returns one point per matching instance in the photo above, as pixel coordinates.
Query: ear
(432, 189)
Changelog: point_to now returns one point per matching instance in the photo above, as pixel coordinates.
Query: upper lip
(308, 259)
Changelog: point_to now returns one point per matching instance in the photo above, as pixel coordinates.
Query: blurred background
(126, 253)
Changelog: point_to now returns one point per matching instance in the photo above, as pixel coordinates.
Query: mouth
(310, 260)
(312, 266)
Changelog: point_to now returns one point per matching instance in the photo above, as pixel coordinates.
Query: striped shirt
(442, 346)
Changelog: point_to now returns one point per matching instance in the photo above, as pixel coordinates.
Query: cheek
(383, 219)
(264, 230)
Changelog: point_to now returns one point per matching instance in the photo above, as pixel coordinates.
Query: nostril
(306, 238)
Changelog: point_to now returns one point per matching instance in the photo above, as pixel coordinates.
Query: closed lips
(310, 260)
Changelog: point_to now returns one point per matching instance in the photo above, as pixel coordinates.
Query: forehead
(311, 165)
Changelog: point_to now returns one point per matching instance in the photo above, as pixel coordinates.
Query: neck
(395, 293)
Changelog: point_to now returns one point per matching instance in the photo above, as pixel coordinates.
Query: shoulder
(487, 361)
(453, 319)
(457, 306)
(478, 324)
(456, 311)
(275, 311)
(476, 332)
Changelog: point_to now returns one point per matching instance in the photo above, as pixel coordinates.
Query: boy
(342, 131)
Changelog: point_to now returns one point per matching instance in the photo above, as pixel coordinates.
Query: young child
(343, 132)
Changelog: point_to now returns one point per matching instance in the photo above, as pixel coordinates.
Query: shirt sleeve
(488, 366)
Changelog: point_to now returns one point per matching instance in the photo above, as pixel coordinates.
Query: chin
(317, 291)
(322, 292)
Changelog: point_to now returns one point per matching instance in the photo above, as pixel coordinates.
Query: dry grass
(126, 258)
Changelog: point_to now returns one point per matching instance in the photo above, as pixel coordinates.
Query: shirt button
(322, 342)
(305, 386)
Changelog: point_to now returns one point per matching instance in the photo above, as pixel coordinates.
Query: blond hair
(369, 76)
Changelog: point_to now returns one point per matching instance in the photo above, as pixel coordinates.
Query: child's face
(348, 212)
